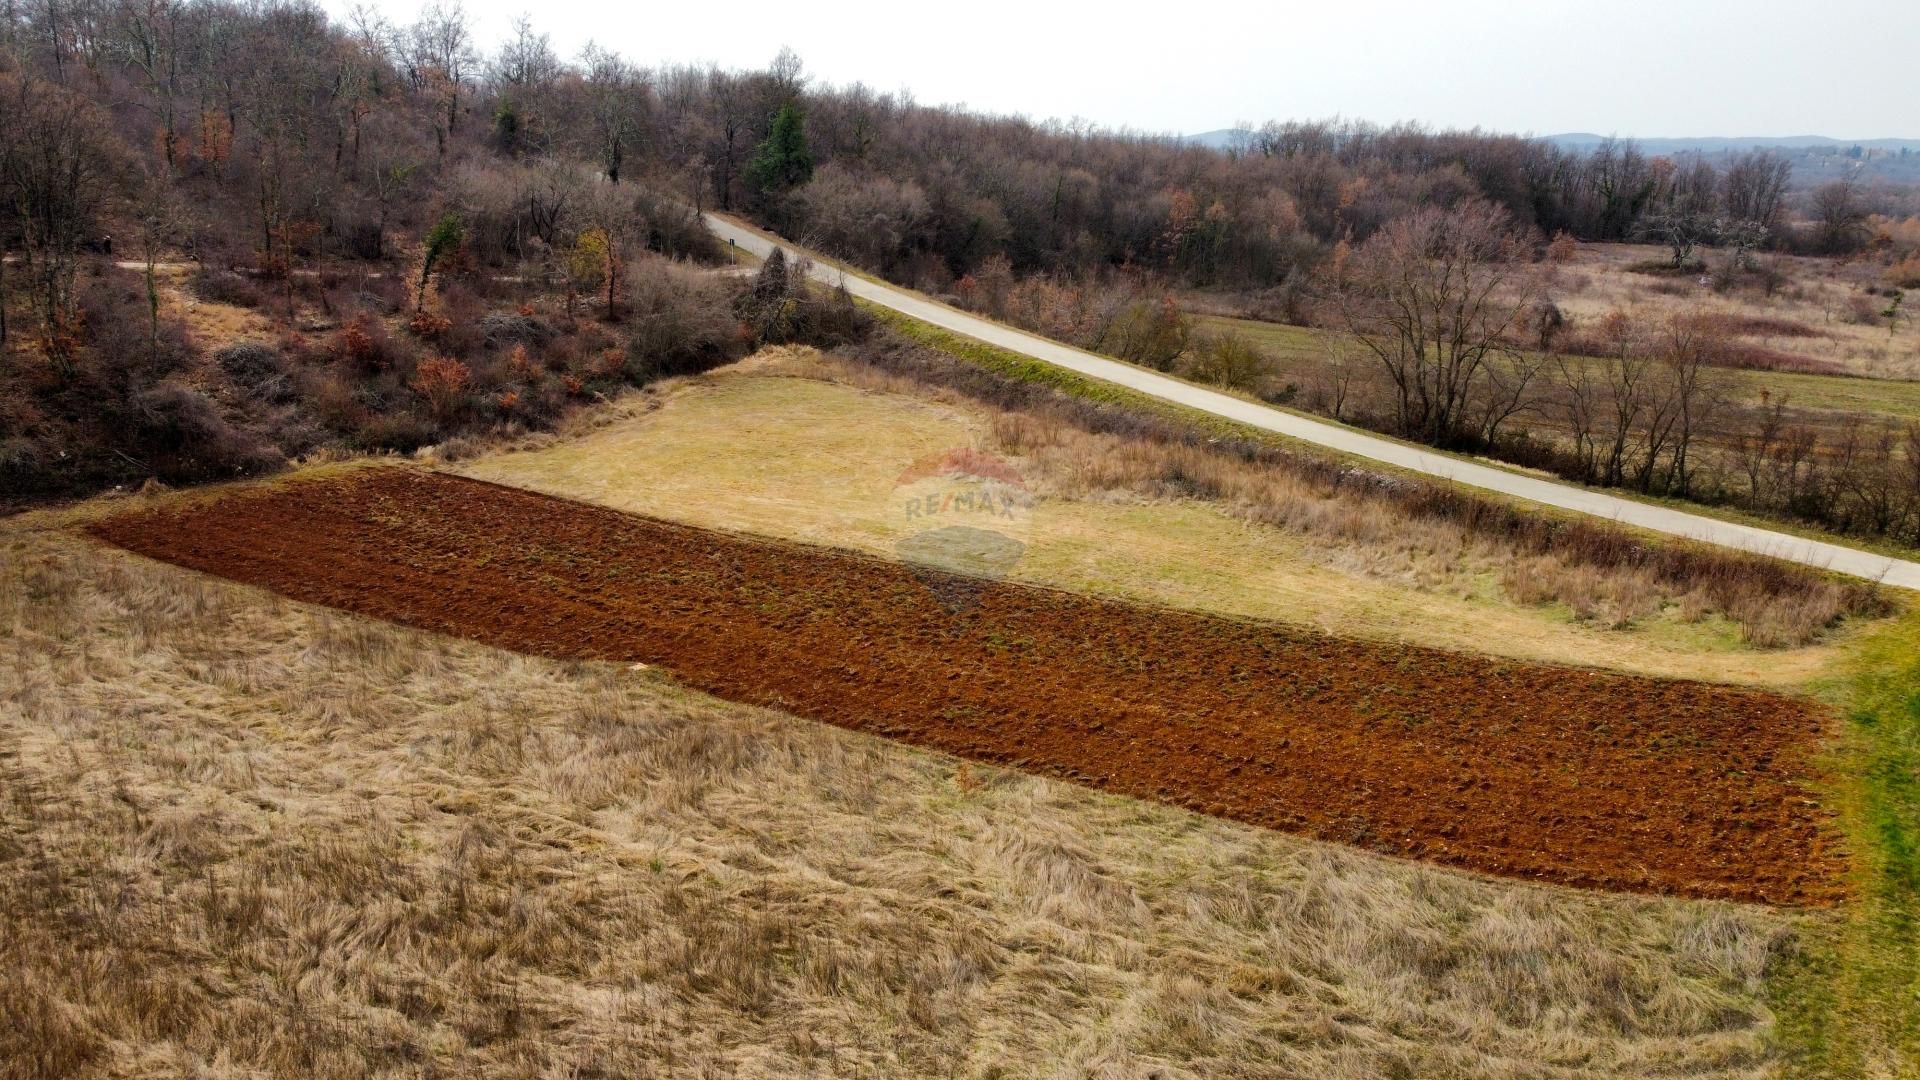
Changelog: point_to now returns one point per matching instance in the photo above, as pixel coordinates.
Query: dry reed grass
(1433, 551)
(243, 837)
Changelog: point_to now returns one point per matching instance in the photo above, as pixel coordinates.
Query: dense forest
(452, 235)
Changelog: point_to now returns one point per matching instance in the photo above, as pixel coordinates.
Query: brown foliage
(442, 380)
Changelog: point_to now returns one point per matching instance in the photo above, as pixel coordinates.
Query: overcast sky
(1648, 68)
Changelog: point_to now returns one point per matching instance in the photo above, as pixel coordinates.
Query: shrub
(226, 287)
(520, 365)
(781, 308)
(401, 430)
(428, 324)
(1154, 334)
(1229, 360)
(1904, 274)
(250, 363)
(363, 341)
(520, 329)
(259, 369)
(183, 438)
(442, 380)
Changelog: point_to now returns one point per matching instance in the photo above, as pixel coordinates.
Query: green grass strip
(1848, 996)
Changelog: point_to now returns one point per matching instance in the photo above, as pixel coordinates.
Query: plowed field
(1532, 771)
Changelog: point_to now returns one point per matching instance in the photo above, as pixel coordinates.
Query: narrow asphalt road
(1599, 504)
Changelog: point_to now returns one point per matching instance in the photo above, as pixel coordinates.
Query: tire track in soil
(1532, 771)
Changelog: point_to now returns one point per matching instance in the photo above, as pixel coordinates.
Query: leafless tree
(1839, 217)
(1693, 354)
(161, 216)
(731, 107)
(443, 58)
(1343, 377)
(1434, 296)
(616, 96)
(1755, 186)
(150, 33)
(57, 167)
(1511, 390)
(1756, 442)
(1680, 227)
(526, 62)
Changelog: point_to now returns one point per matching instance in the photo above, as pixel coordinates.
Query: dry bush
(226, 287)
(244, 837)
(1228, 359)
(1563, 248)
(1616, 600)
(442, 380)
(1904, 274)
(680, 320)
(365, 343)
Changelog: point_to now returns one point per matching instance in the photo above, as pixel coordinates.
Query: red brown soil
(1532, 771)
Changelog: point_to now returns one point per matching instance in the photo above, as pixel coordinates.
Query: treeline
(418, 264)
(382, 190)
(334, 133)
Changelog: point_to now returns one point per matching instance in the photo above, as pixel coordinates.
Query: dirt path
(1837, 557)
(1527, 770)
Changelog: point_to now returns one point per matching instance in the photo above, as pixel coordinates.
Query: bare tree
(787, 73)
(56, 170)
(1580, 401)
(616, 94)
(1511, 390)
(1630, 391)
(526, 62)
(443, 59)
(1839, 217)
(1434, 296)
(1756, 442)
(1693, 352)
(1335, 380)
(160, 216)
(1755, 187)
(1680, 227)
(731, 105)
(150, 34)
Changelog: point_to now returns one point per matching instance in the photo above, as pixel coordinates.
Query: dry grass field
(1820, 338)
(797, 445)
(1299, 356)
(244, 836)
(241, 836)
(1820, 317)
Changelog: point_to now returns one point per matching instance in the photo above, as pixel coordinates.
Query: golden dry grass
(1820, 295)
(240, 836)
(798, 445)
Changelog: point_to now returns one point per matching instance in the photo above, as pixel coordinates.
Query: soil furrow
(1527, 770)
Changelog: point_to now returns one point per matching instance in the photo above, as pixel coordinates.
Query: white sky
(1649, 68)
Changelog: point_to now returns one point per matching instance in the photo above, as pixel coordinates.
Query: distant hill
(1584, 140)
(1816, 158)
(1223, 139)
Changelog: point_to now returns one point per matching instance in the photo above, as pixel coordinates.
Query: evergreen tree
(782, 162)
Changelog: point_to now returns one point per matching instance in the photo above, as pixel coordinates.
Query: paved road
(1582, 500)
